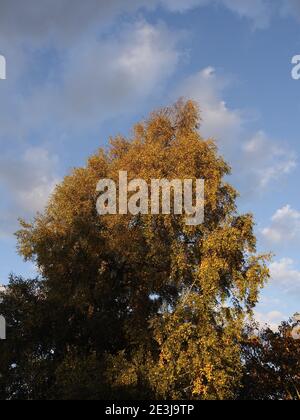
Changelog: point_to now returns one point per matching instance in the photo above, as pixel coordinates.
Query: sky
(80, 72)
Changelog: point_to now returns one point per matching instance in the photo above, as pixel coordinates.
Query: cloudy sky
(78, 72)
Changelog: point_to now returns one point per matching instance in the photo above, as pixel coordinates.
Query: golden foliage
(170, 298)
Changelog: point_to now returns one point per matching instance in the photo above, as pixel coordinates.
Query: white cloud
(268, 161)
(218, 120)
(108, 77)
(285, 226)
(98, 79)
(286, 276)
(257, 159)
(27, 181)
(33, 190)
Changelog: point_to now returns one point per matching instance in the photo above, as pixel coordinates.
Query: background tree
(272, 364)
(138, 306)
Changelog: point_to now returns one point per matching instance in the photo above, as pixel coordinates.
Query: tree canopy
(272, 363)
(134, 306)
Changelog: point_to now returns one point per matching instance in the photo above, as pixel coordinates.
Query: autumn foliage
(134, 306)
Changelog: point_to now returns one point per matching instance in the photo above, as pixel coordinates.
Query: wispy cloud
(109, 77)
(259, 160)
(218, 120)
(97, 80)
(26, 182)
(285, 226)
(268, 159)
(285, 275)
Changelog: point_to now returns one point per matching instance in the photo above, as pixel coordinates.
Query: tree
(141, 306)
(272, 364)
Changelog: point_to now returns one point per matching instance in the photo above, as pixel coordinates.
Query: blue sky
(79, 72)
